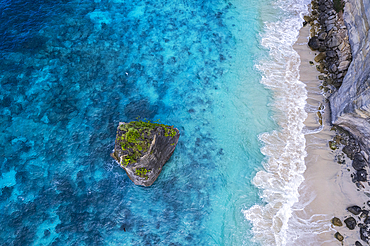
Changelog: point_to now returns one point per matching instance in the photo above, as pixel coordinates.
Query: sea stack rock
(142, 149)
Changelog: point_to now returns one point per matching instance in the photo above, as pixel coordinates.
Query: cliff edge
(350, 105)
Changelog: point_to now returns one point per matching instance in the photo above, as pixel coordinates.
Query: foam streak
(284, 148)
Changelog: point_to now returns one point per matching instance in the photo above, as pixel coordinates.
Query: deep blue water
(71, 70)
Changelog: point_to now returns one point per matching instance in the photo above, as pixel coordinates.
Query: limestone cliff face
(350, 105)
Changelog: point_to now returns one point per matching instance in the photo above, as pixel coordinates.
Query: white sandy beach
(327, 190)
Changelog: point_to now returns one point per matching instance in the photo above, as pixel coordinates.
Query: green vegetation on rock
(143, 147)
(141, 172)
(136, 137)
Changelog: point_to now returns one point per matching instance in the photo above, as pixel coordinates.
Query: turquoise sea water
(71, 70)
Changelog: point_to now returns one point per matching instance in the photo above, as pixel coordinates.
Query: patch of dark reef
(142, 148)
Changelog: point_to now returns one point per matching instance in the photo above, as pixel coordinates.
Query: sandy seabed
(327, 189)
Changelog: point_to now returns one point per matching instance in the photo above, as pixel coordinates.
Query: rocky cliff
(142, 148)
(350, 105)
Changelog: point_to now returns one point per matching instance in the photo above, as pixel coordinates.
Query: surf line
(284, 148)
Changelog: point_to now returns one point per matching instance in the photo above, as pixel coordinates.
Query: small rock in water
(336, 221)
(350, 223)
(338, 236)
(122, 227)
(356, 210)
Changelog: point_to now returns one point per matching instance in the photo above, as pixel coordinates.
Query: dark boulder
(356, 210)
(322, 36)
(350, 223)
(358, 165)
(348, 149)
(367, 221)
(361, 175)
(357, 243)
(322, 8)
(333, 54)
(365, 233)
(359, 161)
(359, 157)
(322, 47)
(314, 43)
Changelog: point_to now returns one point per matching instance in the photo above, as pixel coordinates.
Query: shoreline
(320, 191)
(328, 189)
(323, 181)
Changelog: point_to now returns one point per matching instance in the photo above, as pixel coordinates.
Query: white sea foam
(284, 148)
(304, 229)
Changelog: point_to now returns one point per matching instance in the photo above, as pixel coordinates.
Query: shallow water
(71, 70)
(285, 147)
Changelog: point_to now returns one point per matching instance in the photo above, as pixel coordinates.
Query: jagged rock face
(350, 105)
(142, 149)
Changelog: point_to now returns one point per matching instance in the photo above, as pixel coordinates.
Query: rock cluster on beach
(331, 40)
(358, 218)
(142, 148)
(358, 158)
(349, 153)
(342, 41)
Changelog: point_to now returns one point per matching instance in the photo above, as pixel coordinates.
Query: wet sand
(327, 190)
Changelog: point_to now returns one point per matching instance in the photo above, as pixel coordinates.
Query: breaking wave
(285, 147)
